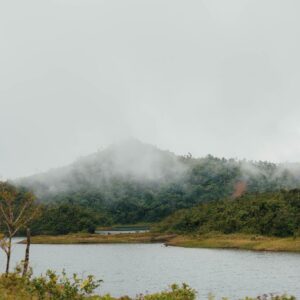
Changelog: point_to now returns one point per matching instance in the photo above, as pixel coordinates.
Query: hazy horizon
(205, 77)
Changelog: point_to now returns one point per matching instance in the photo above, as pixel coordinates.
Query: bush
(59, 287)
(46, 287)
(52, 286)
(176, 293)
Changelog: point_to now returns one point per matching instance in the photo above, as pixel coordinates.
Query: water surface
(134, 268)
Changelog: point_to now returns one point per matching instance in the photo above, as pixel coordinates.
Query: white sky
(210, 76)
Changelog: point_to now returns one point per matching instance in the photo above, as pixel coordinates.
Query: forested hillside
(271, 214)
(132, 182)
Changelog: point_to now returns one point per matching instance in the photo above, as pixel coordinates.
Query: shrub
(46, 287)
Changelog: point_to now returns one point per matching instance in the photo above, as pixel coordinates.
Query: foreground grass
(237, 241)
(122, 238)
(52, 286)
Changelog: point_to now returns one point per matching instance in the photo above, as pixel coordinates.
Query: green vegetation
(52, 286)
(65, 218)
(134, 182)
(126, 201)
(268, 214)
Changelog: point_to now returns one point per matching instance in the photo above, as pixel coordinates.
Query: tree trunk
(26, 260)
(8, 255)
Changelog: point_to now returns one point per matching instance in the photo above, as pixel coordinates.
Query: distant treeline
(271, 214)
(55, 219)
(124, 200)
(134, 182)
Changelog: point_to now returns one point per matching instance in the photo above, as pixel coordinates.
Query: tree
(26, 259)
(17, 209)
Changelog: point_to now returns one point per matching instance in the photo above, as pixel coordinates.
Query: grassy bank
(120, 227)
(145, 237)
(213, 240)
(237, 241)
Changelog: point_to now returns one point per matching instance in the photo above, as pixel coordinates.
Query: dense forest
(134, 182)
(271, 214)
(64, 218)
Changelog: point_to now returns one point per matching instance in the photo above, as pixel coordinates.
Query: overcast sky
(218, 77)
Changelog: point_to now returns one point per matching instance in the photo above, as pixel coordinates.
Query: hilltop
(130, 160)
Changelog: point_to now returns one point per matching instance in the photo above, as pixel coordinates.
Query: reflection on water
(108, 232)
(134, 268)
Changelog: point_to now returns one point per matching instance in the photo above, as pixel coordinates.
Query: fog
(218, 77)
(133, 166)
(129, 161)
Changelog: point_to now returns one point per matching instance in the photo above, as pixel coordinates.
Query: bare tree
(17, 209)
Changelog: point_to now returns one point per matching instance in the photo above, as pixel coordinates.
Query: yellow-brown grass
(213, 240)
(121, 238)
(237, 241)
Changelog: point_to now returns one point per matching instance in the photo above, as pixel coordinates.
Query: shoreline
(237, 242)
(209, 241)
(84, 238)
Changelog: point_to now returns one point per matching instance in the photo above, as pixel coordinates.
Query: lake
(134, 268)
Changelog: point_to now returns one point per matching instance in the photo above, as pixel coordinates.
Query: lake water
(134, 268)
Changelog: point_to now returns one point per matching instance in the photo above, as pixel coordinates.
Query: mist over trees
(134, 182)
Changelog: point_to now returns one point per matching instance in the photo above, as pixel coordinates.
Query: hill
(130, 160)
(132, 182)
